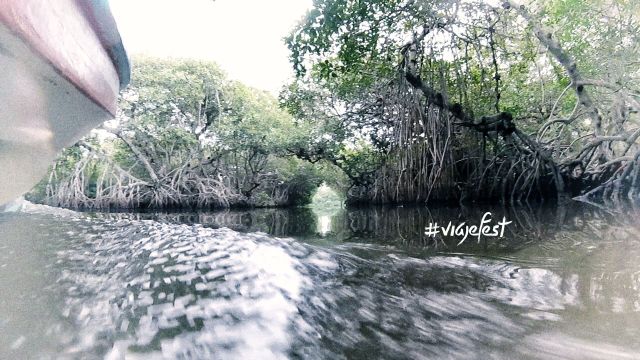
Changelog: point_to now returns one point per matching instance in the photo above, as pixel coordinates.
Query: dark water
(356, 284)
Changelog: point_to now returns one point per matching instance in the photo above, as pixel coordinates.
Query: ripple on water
(147, 289)
(185, 290)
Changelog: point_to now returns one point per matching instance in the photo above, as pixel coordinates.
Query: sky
(243, 36)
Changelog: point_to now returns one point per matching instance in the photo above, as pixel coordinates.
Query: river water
(563, 283)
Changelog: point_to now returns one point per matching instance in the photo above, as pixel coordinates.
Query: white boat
(62, 65)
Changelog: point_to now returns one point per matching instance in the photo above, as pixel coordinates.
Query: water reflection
(547, 227)
(361, 283)
(324, 225)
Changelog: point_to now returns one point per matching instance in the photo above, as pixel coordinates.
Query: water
(358, 284)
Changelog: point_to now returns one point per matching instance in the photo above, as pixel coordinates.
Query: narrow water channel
(358, 284)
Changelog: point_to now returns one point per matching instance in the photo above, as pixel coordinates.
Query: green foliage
(351, 92)
(360, 162)
(326, 201)
(207, 140)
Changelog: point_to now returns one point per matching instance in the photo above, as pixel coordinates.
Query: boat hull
(58, 80)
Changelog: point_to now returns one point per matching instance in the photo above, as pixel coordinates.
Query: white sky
(243, 36)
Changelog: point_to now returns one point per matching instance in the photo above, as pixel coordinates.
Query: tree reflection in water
(371, 282)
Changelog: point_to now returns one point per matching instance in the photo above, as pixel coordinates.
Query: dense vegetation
(413, 101)
(185, 136)
(472, 100)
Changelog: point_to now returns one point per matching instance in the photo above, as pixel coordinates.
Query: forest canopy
(393, 101)
(472, 100)
(187, 137)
